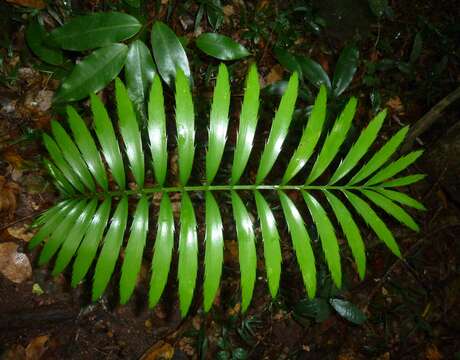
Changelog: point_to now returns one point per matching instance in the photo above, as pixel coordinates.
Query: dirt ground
(411, 304)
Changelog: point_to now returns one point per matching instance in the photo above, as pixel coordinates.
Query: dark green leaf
(317, 308)
(221, 47)
(314, 72)
(348, 311)
(36, 39)
(345, 69)
(288, 60)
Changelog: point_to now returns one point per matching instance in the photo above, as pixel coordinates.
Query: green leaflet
(110, 249)
(214, 252)
(279, 129)
(246, 249)
(404, 181)
(401, 198)
(90, 243)
(351, 232)
(301, 243)
(164, 244)
(130, 132)
(360, 147)
(188, 254)
(392, 209)
(327, 236)
(314, 72)
(157, 131)
(374, 221)
(106, 136)
(271, 240)
(93, 73)
(61, 182)
(134, 250)
(394, 168)
(380, 157)
(95, 30)
(310, 137)
(185, 123)
(218, 123)
(88, 148)
(333, 141)
(248, 124)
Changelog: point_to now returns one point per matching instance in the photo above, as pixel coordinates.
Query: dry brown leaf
(14, 265)
(37, 347)
(161, 350)
(8, 192)
(396, 105)
(20, 232)
(231, 251)
(16, 352)
(228, 10)
(36, 4)
(276, 74)
(432, 353)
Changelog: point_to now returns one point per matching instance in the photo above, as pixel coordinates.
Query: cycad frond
(83, 224)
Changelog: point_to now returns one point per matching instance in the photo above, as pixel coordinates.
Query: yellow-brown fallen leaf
(396, 105)
(161, 350)
(14, 265)
(432, 353)
(36, 4)
(275, 74)
(20, 232)
(37, 347)
(8, 192)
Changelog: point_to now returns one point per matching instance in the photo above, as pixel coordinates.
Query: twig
(425, 122)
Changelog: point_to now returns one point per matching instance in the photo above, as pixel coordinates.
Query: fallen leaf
(160, 350)
(14, 265)
(20, 232)
(275, 74)
(36, 4)
(231, 251)
(432, 353)
(228, 10)
(396, 105)
(37, 347)
(16, 352)
(8, 192)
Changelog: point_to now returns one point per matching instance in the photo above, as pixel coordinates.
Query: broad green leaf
(301, 243)
(404, 181)
(360, 147)
(106, 136)
(130, 132)
(271, 240)
(59, 177)
(314, 72)
(168, 53)
(61, 211)
(93, 73)
(185, 123)
(334, 141)
(157, 131)
(416, 48)
(351, 231)
(164, 244)
(345, 69)
(87, 147)
(221, 47)
(87, 250)
(36, 39)
(288, 60)
(327, 236)
(139, 73)
(248, 124)
(188, 254)
(392, 209)
(348, 311)
(374, 221)
(401, 198)
(73, 238)
(310, 137)
(279, 129)
(134, 250)
(215, 13)
(61, 163)
(95, 30)
(316, 308)
(394, 168)
(214, 252)
(218, 123)
(72, 155)
(60, 232)
(380, 157)
(110, 249)
(246, 249)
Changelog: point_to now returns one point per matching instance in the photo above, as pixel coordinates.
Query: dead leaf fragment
(37, 347)
(432, 353)
(396, 105)
(20, 232)
(276, 74)
(14, 265)
(160, 350)
(36, 4)
(8, 192)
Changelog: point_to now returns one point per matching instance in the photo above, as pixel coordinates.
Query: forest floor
(411, 304)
